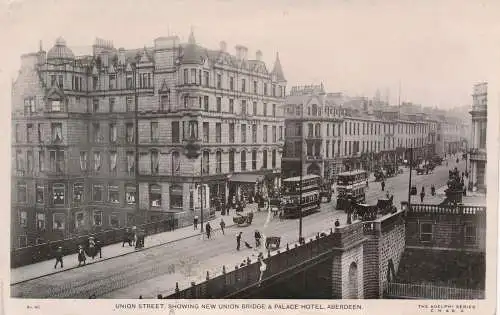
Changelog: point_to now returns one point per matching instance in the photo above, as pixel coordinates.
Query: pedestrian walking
(337, 223)
(382, 185)
(59, 257)
(433, 190)
(257, 238)
(98, 247)
(195, 222)
(208, 229)
(422, 194)
(222, 225)
(238, 240)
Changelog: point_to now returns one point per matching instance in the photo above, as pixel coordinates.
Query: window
(130, 104)
(231, 132)
(244, 110)
(58, 221)
(186, 76)
(29, 130)
(254, 159)
(219, 104)
(95, 105)
(243, 85)
(55, 106)
(23, 218)
(243, 160)
(145, 81)
(264, 159)
(281, 133)
(155, 162)
(231, 83)
(130, 194)
(264, 134)
(274, 134)
(56, 132)
(265, 88)
(21, 193)
(273, 159)
(193, 76)
(255, 87)
(79, 220)
(97, 132)
(176, 163)
(218, 132)
(57, 161)
(470, 234)
(243, 133)
(175, 132)
(254, 108)
(265, 109)
(41, 161)
(219, 81)
(40, 221)
(113, 194)
(231, 161)
(426, 232)
(113, 133)
(97, 161)
(164, 102)
(111, 104)
(112, 81)
(155, 132)
(58, 193)
(205, 103)
(206, 76)
(155, 195)
(95, 83)
(97, 192)
(176, 196)
(130, 163)
(97, 218)
(254, 133)
(205, 163)
(274, 89)
(129, 81)
(39, 195)
(274, 110)
(113, 157)
(114, 221)
(19, 161)
(129, 132)
(29, 105)
(29, 161)
(206, 132)
(218, 162)
(77, 192)
(231, 106)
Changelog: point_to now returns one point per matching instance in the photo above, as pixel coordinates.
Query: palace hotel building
(122, 137)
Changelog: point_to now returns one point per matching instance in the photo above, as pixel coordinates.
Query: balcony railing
(444, 209)
(425, 291)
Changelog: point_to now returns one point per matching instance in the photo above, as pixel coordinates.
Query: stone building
(477, 155)
(122, 137)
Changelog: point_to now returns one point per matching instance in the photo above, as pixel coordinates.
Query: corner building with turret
(122, 137)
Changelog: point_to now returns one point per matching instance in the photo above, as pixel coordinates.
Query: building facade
(123, 137)
(477, 153)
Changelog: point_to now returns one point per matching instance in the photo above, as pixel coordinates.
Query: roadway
(156, 270)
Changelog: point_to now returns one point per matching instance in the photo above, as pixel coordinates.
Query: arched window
(314, 110)
(175, 196)
(205, 163)
(353, 281)
(318, 130)
(264, 159)
(231, 161)
(273, 159)
(310, 128)
(176, 165)
(154, 195)
(218, 164)
(254, 159)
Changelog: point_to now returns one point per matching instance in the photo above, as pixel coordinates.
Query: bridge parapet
(244, 281)
(444, 209)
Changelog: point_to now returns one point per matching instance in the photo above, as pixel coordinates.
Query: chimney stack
(241, 52)
(223, 46)
(258, 55)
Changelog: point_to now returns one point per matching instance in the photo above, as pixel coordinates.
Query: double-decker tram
(307, 187)
(351, 185)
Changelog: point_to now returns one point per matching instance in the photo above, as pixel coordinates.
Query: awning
(246, 178)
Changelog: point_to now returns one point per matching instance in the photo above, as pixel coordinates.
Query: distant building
(477, 155)
(124, 137)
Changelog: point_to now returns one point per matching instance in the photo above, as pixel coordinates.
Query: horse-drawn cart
(273, 241)
(243, 220)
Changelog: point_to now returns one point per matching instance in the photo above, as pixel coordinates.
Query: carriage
(379, 175)
(369, 212)
(243, 220)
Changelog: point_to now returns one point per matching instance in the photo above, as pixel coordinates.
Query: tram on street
(309, 187)
(351, 184)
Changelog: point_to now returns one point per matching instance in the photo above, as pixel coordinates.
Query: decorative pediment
(111, 69)
(129, 68)
(164, 88)
(55, 93)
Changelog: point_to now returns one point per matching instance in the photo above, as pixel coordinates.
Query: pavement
(183, 257)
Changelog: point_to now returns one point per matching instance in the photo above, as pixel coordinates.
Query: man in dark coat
(208, 229)
(238, 241)
(382, 185)
(59, 257)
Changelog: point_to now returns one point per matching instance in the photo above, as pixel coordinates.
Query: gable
(55, 93)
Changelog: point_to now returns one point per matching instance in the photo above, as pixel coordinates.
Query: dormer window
(145, 80)
(55, 106)
(95, 82)
(130, 81)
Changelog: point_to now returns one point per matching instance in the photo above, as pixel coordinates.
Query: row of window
(143, 80)
(353, 128)
(199, 77)
(427, 232)
(314, 110)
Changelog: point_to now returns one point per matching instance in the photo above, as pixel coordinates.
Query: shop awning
(246, 178)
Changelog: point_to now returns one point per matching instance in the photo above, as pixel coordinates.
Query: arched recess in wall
(314, 168)
(391, 272)
(353, 281)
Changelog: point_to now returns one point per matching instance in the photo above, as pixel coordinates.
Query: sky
(435, 50)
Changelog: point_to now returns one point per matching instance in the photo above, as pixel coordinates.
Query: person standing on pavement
(382, 185)
(238, 241)
(59, 257)
(337, 223)
(422, 194)
(208, 228)
(433, 190)
(195, 222)
(257, 238)
(222, 225)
